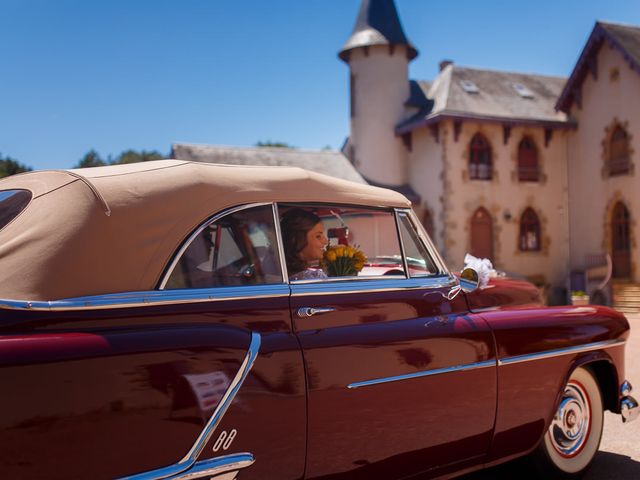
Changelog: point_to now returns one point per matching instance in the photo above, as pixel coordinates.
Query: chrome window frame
(403, 251)
(151, 298)
(437, 261)
(428, 243)
(214, 218)
(331, 286)
(370, 285)
(390, 210)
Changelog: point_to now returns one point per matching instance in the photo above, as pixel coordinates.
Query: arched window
(621, 241)
(482, 234)
(480, 165)
(529, 231)
(619, 152)
(528, 170)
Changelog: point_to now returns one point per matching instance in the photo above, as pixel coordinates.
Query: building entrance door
(620, 241)
(482, 234)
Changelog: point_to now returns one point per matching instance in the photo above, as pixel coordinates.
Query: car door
(192, 377)
(401, 378)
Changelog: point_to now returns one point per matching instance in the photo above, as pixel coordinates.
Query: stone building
(534, 172)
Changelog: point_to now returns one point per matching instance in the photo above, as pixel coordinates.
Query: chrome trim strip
(431, 248)
(197, 231)
(217, 466)
(403, 252)
(362, 285)
(424, 373)
(589, 347)
(283, 260)
(150, 298)
(189, 460)
(228, 397)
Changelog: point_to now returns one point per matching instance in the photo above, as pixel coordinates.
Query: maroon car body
(386, 376)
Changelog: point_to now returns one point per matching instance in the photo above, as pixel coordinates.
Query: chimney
(445, 63)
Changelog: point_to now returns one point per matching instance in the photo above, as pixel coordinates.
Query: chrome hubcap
(570, 427)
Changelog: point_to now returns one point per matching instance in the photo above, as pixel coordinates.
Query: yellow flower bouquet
(342, 261)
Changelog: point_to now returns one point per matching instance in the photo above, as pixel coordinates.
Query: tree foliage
(269, 143)
(93, 159)
(9, 166)
(131, 156)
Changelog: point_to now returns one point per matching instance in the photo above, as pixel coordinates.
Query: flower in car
(343, 260)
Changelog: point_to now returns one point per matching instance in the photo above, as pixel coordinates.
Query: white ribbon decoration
(483, 266)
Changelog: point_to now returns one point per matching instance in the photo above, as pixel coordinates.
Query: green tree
(9, 166)
(90, 159)
(269, 143)
(93, 159)
(132, 156)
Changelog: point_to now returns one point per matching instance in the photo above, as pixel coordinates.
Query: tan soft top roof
(114, 229)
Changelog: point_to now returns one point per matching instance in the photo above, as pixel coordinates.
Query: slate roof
(624, 38)
(328, 162)
(496, 98)
(377, 24)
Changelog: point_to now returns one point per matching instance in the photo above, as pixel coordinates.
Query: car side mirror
(469, 280)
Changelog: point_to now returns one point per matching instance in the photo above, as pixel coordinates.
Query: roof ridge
(256, 148)
(511, 72)
(618, 24)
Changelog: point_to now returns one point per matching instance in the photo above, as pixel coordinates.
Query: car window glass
(419, 260)
(357, 242)
(237, 249)
(12, 203)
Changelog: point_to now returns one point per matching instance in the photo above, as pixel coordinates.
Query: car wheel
(572, 440)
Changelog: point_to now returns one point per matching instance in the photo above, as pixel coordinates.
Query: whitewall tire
(573, 438)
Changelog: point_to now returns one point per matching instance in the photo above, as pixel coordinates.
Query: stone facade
(418, 135)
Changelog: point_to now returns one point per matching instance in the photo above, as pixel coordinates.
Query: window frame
(422, 235)
(214, 218)
(372, 282)
(475, 165)
(620, 165)
(525, 175)
(537, 231)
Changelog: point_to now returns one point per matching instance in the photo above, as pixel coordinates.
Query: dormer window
(523, 91)
(469, 87)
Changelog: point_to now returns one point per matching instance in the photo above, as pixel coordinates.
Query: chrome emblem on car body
(225, 440)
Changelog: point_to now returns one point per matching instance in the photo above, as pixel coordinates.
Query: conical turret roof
(377, 24)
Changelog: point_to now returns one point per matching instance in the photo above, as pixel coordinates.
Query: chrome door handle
(304, 312)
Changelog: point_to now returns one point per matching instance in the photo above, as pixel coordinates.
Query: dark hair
(295, 224)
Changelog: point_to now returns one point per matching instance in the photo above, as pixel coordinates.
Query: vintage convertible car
(148, 330)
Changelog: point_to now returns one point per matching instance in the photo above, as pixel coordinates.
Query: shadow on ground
(606, 466)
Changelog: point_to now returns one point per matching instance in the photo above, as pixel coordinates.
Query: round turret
(378, 55)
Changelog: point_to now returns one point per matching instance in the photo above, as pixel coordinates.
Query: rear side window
(237, 249)
(12, 202)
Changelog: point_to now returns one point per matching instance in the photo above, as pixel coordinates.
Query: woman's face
(316, 241)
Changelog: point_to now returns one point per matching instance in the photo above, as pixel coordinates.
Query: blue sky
(142, 74)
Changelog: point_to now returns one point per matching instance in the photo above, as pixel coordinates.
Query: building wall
(381, 89)
(592, 194)
(506, 199)
(425, 173)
